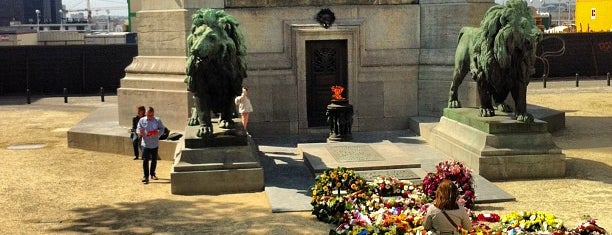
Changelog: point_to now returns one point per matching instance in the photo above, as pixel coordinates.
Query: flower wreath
(330, 192)
(458, 173)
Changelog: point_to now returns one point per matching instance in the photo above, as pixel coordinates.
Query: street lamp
(37, 20)
(61, 19)
(108, 21)
(569, 12)
(559, 16)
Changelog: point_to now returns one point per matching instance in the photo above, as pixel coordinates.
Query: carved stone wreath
(326, 17)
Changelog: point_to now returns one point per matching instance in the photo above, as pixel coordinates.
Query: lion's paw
(454, 104)
(524, 117)
(226, 124)
(487, 112)
(205, 132)
(193, 122)
(503, 107)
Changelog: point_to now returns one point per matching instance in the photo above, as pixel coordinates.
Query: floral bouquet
(488, 217)
(392, 207)
(458, 173)
(332, 190)
(531, 222)
(588, 227)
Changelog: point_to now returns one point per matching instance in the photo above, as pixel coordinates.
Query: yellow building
(594, 15)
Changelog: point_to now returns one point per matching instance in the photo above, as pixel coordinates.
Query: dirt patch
(57, 189)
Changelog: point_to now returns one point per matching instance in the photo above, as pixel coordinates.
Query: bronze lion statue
(500, 55)
(216, 66)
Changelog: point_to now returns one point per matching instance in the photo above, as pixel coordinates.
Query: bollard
(102, 94)
(577, 81)
(30, 101)
(608, 77)
(544, 80)
(65, 95)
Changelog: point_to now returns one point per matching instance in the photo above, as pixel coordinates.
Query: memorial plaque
(354, 153)
(402, 174)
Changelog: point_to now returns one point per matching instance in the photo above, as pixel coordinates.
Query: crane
(89, 9)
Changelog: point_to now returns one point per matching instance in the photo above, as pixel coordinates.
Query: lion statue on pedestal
(500, 54)
(216, 66)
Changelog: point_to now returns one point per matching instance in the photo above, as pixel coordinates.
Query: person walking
(149, 129)
(140, 112)
(244, 106)
(445, 216)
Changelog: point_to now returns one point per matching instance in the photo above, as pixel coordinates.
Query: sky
(82, 4)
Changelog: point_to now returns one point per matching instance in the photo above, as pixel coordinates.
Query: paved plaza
(48, 188)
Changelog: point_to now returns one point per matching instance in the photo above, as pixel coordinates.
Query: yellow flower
(314, 192)
(338, 185)
(345, 175)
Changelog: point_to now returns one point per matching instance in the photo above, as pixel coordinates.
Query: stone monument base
(369, 160)
(499, 147)
(226, 163)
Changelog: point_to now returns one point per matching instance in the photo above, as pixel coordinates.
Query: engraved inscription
(354, 153)
(402, 174)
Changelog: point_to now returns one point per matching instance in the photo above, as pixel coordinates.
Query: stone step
(100, 131)
(216, 170)
(154, 82)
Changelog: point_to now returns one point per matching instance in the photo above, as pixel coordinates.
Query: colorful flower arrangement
(331, 191)
(391, 206)
(588, 227)
(531, 221)
(456, 172)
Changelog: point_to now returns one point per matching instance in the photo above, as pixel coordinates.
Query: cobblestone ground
(56, 189)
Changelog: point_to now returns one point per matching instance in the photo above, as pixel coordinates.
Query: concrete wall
(441, 21)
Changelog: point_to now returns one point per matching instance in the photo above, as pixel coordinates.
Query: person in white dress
(244, 106)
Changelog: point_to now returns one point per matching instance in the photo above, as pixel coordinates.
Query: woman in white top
(244, 106)
(445, 216)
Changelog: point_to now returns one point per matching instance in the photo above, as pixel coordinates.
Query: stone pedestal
(226, 163)
(155, 77)
(340, 119)
(499, 147)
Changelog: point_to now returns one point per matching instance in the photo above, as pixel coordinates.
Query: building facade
(24, 11)
(15, 37)
(394, 57)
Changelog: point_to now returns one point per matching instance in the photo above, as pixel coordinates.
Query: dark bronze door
(326, 66)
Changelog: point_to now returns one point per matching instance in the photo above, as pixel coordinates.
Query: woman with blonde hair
(244, 106)
(445, 216)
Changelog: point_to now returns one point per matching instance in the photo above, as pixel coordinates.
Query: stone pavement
(287, 178)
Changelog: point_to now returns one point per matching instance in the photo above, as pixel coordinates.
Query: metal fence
(53, 70)
(84, 69)
(568, 54)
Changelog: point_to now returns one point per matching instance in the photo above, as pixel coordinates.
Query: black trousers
(149, 154)
(135, 143)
